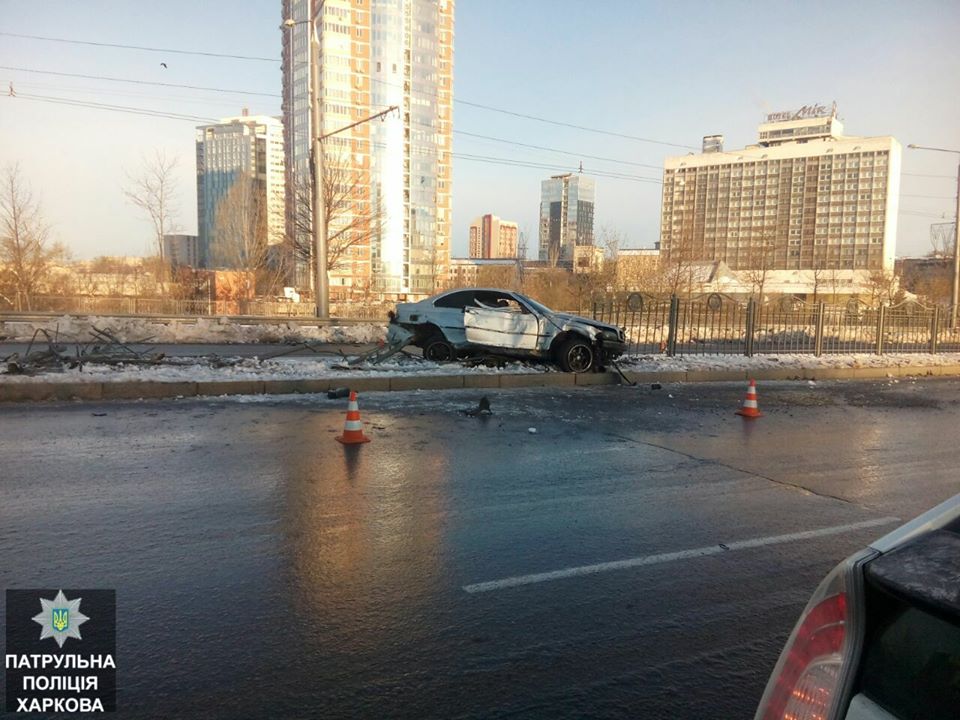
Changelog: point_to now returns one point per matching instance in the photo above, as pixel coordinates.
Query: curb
(134, 390)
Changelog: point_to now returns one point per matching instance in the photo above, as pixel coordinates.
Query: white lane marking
(672, 556)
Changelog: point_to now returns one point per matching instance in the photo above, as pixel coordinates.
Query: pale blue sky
(671, 71)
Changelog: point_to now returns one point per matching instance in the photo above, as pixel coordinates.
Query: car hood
(580, 320)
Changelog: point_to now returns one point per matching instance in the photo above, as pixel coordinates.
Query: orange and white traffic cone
(750, 408)
(353, 428)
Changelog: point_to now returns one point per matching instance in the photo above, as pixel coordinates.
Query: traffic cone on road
(353, 428)
(749, 408)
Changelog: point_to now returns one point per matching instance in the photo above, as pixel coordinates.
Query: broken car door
(500, 321)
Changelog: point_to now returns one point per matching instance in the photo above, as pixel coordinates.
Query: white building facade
(806, 197)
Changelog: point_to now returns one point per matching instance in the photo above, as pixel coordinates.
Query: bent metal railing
(719, 324)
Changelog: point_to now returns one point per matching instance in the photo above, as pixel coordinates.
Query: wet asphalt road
(262, 570)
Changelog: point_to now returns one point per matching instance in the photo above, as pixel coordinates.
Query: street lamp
(321, 281)
(955, 285)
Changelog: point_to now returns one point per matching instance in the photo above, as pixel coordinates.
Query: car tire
(577, 355)
(438, 349)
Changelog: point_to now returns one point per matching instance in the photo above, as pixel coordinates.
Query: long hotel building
(374, 54)
(806, 197)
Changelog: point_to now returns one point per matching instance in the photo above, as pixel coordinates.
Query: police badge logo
(60, 618)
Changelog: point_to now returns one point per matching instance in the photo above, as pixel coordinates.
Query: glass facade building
(245, 146)
(374, 54)
(566, 216)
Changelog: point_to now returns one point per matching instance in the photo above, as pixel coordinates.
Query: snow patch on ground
(645, 363)
(332, 368)
(195, 370)
(194, 330)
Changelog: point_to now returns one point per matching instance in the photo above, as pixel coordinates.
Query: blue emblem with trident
(60, 619)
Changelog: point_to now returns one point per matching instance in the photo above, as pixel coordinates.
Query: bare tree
(351, 218)
(884, 288)
(818, 274)
(759, 265)
(27, 256)
(154, 191)
(676, 267)
(240, 234)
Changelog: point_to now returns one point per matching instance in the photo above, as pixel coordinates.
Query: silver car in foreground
(880, 638)
(478, 321)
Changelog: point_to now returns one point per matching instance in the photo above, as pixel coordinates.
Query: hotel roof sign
(804, 113)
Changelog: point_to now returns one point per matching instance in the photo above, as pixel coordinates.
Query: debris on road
(483, 408)
(103, 348)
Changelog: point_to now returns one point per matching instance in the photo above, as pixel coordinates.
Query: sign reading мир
(804, 113)
(61, 651)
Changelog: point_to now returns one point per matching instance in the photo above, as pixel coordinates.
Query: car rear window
(455, 300)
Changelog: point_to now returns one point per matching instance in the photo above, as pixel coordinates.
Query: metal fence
(718, 324)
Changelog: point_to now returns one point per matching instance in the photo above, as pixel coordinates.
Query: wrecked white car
(478, 321)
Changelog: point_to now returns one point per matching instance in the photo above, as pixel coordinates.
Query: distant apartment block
(587, 259)
(805, 197)
(491, 237)
(566, 216)
(468, 272)
(248, 147)
(374, 55)
(184, 251)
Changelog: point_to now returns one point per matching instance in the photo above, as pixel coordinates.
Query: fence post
(672, 326)
(818, 333)
(881, 318)
(750, 327)
(934, 329)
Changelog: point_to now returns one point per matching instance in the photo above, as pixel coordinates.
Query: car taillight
(807, 682)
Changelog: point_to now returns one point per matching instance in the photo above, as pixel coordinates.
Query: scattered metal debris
(46, 353)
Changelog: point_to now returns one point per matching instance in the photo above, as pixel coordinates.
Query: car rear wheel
(577, 355)
(438, 349)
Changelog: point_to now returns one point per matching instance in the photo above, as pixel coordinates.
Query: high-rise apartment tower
(566, 216)
(245, 149)
(374, 54)
(491, 237)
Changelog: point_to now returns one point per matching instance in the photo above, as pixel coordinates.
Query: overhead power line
(112, 108)
(468, 103)
(555, 150)
(139, 82)
(573, 126)
(141, 47)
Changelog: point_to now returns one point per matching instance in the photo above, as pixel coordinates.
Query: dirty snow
(194, 330)
(323, 368)
(267, 369)
(645, 363)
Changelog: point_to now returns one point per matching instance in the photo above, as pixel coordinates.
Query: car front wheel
(577, 355)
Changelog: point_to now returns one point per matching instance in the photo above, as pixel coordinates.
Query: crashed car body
(475, 321)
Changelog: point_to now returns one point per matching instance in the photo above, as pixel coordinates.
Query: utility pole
(955, 284)
(322, 279)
